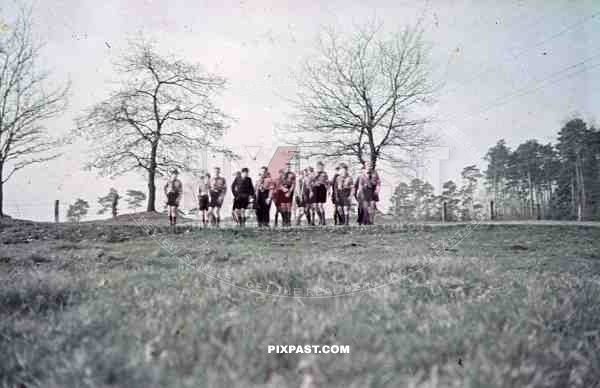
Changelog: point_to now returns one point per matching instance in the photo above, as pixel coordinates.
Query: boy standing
(245, 192)
(288, 186)
(344, 195)
(204, 197)
(218, 187)
(263, 197)
(173, 190)
(320, 185)
(300, 197)
(336, 217)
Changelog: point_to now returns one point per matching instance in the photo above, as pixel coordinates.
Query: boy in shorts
(173, 190)
(287, 189)
(263, 197)
(244, 194)
(299, 196)
(320, 185)
(204, 197)
(218, 188)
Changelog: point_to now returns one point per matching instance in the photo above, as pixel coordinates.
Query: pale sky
(512, 69)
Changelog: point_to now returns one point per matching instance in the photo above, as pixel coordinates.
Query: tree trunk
(531, 200)
(1, 189)
(151, 190)
(151, 177)
(1, 195)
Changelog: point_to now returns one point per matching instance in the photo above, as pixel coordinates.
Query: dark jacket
(245, 188)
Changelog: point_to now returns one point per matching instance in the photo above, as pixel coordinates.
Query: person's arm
(292, 186)
(233, 187)
(252, 191)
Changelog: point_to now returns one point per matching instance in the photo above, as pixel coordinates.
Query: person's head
(264, 170)
(343, 169)
(217, 171)
(238, 174)
(311, 170)
(288, 167)
(174, 173)
(338, 168)
(207, 175)
(244, 172)
(320, 166)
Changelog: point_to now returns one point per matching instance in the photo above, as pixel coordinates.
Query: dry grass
(101, 305)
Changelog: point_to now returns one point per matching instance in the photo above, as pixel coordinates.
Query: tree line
(416, 200)
(548, 181)
(558, 181)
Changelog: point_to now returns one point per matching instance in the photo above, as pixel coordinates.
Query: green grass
(519, 306)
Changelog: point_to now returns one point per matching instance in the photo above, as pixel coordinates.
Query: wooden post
(492, 216)
(444, 212)
(539, 212)
(56, 211)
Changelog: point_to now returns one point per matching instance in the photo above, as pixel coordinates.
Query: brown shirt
(218, 184)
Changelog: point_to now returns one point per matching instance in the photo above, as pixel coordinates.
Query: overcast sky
(512, 69)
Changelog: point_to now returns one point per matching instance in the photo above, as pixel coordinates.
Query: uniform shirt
(308, 182)
(288, 180)
(218, 184)
(235, 185)
(173, 186)
(320, 179)
(204, 188)
(365, 183)
(334, 187)
(343, 183)
(245, 187)
(264, 182)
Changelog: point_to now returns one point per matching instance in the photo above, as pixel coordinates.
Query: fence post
(539, 212)
(492, 215)
(56, 210)
(444, 213)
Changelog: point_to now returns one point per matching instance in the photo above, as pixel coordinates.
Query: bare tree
(357, 97)
(25, 102)
(162, 117)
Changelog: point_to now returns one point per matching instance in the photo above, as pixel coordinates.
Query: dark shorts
(215, 201)
(203, 202)
(172, 199)
(376, 197)
(283, 198)
(320, 194)
(308, 200)
(343, 198)
(241, 202)
(366, 195)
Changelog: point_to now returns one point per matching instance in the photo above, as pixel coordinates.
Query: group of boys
(309, 188)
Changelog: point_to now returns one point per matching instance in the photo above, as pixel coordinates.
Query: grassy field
(100, 305)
